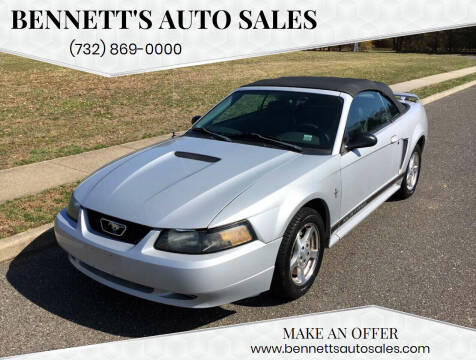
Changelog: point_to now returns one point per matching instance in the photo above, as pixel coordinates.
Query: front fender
(271, 204)
(272, 224)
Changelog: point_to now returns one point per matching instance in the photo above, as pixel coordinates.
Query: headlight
(205, 241)
(73, 208)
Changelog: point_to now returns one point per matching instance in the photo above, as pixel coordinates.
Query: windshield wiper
(204, 130)
(269, 140)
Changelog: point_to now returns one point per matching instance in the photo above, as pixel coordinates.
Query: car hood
(159, 187)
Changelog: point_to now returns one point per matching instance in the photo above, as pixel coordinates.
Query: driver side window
(368, 113)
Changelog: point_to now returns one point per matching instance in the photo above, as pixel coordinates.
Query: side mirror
(361, 141)
(195, 119)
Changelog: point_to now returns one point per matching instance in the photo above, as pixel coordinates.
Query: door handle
(393, 139)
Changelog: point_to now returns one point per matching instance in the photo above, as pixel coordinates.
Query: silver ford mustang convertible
(249, 197)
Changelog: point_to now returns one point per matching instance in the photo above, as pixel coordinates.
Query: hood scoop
(199, 157)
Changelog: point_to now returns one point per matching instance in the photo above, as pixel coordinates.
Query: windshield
(307, 120)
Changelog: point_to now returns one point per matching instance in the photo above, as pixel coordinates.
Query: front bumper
(175, 279)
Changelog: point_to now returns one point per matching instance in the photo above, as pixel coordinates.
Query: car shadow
(47, 279)
(394, 198)
(265, 299)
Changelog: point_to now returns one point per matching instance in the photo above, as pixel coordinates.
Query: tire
(410, 179)
(288, 282)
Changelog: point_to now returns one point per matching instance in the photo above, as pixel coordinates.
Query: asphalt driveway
(417, 256)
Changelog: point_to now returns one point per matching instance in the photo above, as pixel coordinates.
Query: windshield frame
(306, 150)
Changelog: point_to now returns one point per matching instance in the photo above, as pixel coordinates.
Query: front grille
(132, 235)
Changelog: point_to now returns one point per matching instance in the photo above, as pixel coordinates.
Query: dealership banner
(123, 37)
(361, 333)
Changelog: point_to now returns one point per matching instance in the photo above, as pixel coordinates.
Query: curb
(39, 238)
(409, 86)
(448, 92)
(26, 242)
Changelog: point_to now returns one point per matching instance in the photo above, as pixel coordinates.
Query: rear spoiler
(407, 97)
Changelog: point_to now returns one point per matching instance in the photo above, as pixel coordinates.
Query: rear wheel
(300, 255)
(410, 179)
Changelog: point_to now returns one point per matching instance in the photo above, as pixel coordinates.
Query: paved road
(417, 256)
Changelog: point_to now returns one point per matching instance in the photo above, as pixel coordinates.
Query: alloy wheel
(304, 255)
(413, 170)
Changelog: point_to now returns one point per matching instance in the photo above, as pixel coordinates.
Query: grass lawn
(34, 210)
(48, 111)
(443, 86)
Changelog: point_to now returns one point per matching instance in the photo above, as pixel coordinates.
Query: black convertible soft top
(346, 85)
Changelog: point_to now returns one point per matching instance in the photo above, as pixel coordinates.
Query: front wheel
(410, 179)
(300, 255)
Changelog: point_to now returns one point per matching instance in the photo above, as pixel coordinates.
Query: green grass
(443, 86)
(43, 153)
(48, 111)
(34, 210)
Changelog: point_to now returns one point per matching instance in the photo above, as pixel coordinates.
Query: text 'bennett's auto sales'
(168, 20)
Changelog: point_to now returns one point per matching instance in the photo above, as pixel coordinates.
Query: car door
(365, 170)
